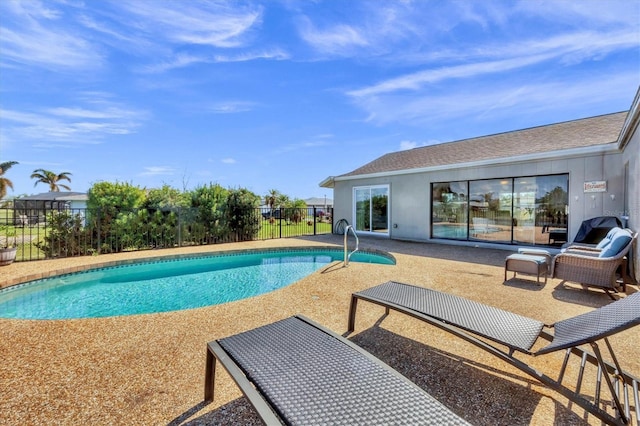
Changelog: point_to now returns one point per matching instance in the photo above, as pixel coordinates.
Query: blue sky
(281, 94)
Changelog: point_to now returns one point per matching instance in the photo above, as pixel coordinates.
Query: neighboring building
(319, 203)
(30, 209)
(526, 187)
(322, 206)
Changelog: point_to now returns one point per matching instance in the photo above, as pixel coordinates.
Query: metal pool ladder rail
(347, 257)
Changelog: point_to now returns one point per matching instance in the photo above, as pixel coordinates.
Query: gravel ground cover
(149, 369)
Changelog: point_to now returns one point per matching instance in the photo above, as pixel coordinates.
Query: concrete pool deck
(149, 369)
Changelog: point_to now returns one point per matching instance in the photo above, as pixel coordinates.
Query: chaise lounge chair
(476, 322)
(294, 371)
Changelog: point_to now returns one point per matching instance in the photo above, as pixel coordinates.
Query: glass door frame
(370, 189)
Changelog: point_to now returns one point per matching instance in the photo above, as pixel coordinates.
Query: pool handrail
(347, 257)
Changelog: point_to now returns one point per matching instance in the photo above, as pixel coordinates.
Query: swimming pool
(169, 284)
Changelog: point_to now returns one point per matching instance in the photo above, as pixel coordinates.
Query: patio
(149, 369)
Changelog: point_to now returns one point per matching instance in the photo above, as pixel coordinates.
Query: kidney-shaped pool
(170, 284)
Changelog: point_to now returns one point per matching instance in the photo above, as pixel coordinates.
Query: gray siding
(410, 193)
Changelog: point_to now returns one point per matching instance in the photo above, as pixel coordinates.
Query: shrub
(66, 235)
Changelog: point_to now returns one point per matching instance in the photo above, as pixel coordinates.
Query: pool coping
(27, 279)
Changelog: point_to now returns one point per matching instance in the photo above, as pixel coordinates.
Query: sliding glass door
(371, 213)
(528, 210)
(490, 210)
(449, 210)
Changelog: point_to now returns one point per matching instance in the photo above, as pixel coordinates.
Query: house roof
(317, 201)
(582, 133)
(56, 196)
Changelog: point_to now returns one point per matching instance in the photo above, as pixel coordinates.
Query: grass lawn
(283, 228)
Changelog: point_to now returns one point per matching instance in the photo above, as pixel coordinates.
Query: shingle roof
(587, 132)
(57, 196)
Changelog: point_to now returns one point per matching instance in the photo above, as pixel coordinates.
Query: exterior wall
(410, 197)
(631, 156)
(76, 204)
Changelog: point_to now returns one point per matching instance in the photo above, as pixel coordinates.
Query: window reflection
(449, 210)
(490, 210)
(523, 210)
(371, 209)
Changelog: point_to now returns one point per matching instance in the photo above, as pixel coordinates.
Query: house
(530, 187)
(322, 206)
(29, 209)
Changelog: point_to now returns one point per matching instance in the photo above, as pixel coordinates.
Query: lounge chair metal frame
(467, 319)
(295, 371)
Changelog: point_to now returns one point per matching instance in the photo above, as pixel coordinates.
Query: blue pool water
(167, 285)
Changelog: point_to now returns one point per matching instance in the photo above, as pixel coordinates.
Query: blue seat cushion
(607, 239)
(617, 244)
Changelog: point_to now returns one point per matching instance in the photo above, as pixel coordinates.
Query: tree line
(165, 196)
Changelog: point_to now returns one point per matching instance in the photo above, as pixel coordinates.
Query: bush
(66, 235)
(242, 216)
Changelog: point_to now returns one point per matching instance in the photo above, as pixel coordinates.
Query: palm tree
(271, 199)
(4, 182)
(51, 179)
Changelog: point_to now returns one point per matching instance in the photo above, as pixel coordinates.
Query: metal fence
(45, 233)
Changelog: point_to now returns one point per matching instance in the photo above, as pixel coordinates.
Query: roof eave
(630, 123)
(551, 155)
(328, 182)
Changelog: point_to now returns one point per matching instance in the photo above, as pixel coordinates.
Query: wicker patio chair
(491, 329)
(585, 266)
(294, 371)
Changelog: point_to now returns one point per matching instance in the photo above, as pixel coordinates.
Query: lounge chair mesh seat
(513, 330)
(467, 319)
(310, 376)
(595, 325)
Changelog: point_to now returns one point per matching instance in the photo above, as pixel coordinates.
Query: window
(522, 210)
(449, 210)
(490, 210)
(371, 209)
(540, 209)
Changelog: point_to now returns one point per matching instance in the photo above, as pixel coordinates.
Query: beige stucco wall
(410, 193)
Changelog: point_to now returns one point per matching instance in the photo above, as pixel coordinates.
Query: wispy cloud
(495, 100)
(231, 107)
(32, 34)
(407, 144)
(417, 80)
(303, 145)
(569, 48)
(158, 171)
(181, 60)
(337, 39)
(228, 160)
(68, 126)
(199, 23)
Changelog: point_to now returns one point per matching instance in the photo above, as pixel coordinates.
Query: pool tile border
(27, 279)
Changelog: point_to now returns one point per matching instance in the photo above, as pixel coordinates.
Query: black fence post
(98, 220)
(315, 218)
(179, 226)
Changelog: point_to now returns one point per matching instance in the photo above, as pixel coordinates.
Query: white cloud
(67, 126)
(492, 100)
(231, 107)
(338, 39)
(406, 145)
(158, 171)
(50, 48)
(228, 160)
(415, 81)
(568, 48)
(182, 60)
(199, 23)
